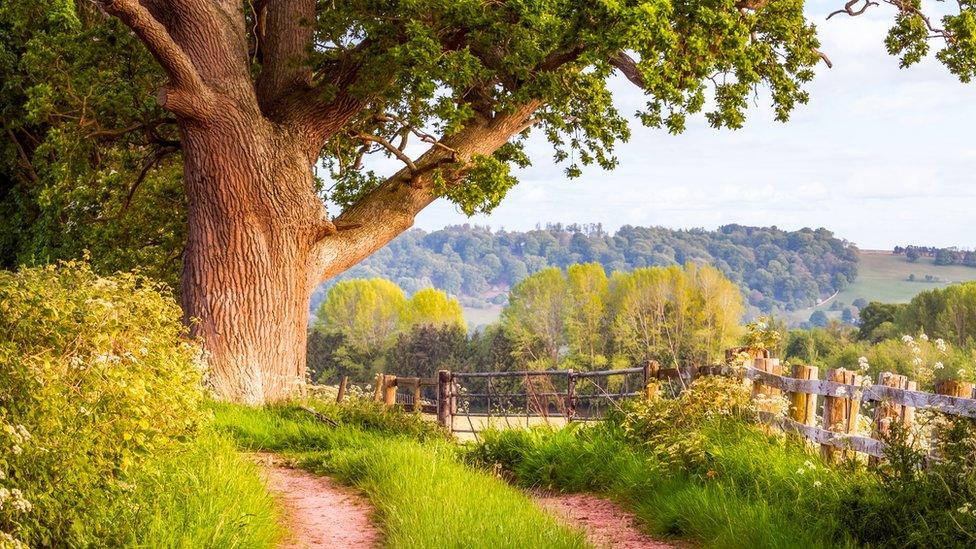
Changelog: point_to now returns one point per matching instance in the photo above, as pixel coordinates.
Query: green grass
(425, 496)
(208, 496)
(750, 493)
(884, 277)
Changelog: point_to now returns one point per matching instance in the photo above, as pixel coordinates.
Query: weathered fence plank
(876, 393)
(842, 441)
(803, 406)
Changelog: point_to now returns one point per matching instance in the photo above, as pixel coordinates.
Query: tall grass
(425, 497)
(756, 491)
(208, 496)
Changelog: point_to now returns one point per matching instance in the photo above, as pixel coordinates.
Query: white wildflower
(800, 471)
(907, 338)
(817, 484)
(809, 464)
(938, 366)
(941, 345)
(16, 450)
(962, 372)
(917, 361)
(923, 336)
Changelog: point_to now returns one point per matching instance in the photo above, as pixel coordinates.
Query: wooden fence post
(378, 389)
(570, 395)
(342, 389)
(417, 397)
(773, 366)
(651, 369)
(389, 391)
(444, 398)
(803, 406)
(840, 411)
(908, 412)
(886, 411)
(952, 387)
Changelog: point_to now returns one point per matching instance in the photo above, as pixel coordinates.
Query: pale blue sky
(880, 155)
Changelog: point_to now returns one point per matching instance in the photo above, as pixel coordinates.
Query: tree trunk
(248, 266)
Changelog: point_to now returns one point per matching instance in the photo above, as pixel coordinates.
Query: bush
(96, 381)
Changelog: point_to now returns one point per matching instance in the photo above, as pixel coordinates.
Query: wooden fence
(825, 411)
(407, 392)
(894, 398)
(545, 394)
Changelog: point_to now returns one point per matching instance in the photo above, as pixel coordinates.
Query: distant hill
(779, 271)
(890, 278)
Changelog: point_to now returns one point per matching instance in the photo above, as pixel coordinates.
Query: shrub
(96, 380)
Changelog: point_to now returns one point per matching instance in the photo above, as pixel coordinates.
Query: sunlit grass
(758, 492)
(425, 496)
(208, 496)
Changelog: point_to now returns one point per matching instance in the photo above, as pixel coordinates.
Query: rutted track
(320, 511)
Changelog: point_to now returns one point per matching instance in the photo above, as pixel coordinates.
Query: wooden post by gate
(444, 397)
(651, 369)
(570, 395)
(342, 389)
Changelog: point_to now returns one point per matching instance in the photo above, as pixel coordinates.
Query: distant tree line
(940, 256)
(580, 318)
(778, 270)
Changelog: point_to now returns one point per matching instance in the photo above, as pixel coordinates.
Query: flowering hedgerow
(96, 379)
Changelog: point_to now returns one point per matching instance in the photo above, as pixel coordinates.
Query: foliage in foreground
(102, 430)
(693, 470)
(425, 496)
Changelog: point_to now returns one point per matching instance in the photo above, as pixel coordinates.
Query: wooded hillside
(778, 270)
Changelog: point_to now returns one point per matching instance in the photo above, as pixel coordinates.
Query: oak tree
(256, 95)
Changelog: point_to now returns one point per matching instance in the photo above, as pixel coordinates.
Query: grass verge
(754, 491)
(206, 496)
(424, 495)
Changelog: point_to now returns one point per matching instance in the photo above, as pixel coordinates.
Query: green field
(477, 316)
(883, 276)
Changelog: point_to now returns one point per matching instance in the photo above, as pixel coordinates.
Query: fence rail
(894, 397)
(838, 398)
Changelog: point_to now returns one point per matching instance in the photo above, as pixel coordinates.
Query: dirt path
(606, 524)
(320, 512)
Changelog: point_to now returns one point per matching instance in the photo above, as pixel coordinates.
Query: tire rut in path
(605, 523)
(319, 511)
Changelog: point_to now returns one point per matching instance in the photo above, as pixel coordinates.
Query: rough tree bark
(260, 239)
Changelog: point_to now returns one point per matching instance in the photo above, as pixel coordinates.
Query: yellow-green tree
(718, 307)
(366, 311)
(431, 307)
(673, 314)
(535, 318)
(587, 287)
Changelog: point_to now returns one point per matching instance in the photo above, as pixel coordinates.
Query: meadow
(883, 276)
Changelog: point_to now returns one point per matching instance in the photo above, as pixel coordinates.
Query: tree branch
(849, 8)
(286, 39)
(628, 67)
(186, 95)
(389, 209)
(388, 146)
